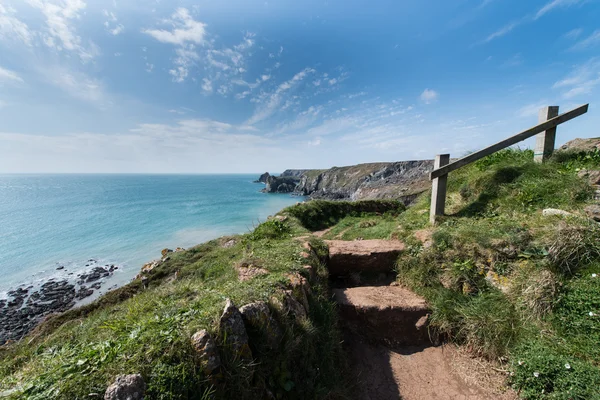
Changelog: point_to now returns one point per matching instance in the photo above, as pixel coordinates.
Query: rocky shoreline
(25, 307)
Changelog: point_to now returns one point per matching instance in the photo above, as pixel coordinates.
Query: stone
(592, 176)
(258, 316)
(593, 211)
(205, 347)
(228, 244)
(263, 178)
(247, 271)
(164, 252)
(126, 387)
(300, 288)
(311, 272)
(233, 331)
(548, 212)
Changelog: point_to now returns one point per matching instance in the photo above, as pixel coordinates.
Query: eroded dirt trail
(386, 336)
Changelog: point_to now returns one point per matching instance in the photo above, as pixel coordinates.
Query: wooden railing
(544, 147)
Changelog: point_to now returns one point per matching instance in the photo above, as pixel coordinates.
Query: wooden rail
(546, 131)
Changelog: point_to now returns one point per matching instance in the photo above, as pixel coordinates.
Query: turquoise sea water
(52, 220)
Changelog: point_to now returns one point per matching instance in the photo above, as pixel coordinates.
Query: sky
(245, 86)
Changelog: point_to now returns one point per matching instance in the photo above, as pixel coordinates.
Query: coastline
(23, 306)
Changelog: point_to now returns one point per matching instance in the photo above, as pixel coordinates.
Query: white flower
(594, 275)
(592, 314)
(568, 366)
(520, 362)
(536, 374)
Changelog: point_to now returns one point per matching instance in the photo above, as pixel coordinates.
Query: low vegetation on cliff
(507, 280)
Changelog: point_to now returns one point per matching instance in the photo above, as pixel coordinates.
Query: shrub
(271, 229)
(321, 214)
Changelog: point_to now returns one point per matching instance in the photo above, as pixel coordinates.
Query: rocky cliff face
(263, 178)
(280, 184)
(296, 173)
(399, 180)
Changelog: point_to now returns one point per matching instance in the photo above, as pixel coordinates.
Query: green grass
(148, 331)
(508, 283)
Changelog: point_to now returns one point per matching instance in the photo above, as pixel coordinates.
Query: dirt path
(385, 329)
(419, 372)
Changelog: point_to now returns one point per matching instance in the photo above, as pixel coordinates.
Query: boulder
(300, 288)
(164, 252)
(548, 212)
(205, 347)
(592, 176)
(593, 211)
(258, 316)
(233, 331)
(582, 145)
(287, 304)
(126, 387)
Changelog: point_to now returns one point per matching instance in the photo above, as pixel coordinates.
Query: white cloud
(185, 29)
(532, 110)
(149, 67)
(501, 32)
(573, 34)
(582, 79)
(12, 27)
(76, 84)
(429, 96)
(592, 40)
(315, 142)
(207, 85)
(274, 100)
(555, 4)
(59, 33)
(8, 75)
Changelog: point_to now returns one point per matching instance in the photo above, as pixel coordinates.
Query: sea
(51, 226)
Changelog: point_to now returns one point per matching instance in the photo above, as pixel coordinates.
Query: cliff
(397, 180)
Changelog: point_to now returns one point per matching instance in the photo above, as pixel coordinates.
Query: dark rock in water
(263, 178)
(84, 292)
(60, 268)
(95, 274)
(96, 285)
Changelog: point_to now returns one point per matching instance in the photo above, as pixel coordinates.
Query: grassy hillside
(502, 279)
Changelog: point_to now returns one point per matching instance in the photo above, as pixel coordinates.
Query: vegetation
(147, 331)
(502, 279)
(509, 283)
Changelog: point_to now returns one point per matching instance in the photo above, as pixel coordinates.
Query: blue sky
(250, 86)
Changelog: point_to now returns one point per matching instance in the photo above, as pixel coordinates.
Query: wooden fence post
(438, 188)
(544, 142)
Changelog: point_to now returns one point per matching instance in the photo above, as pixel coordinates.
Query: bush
(271, 229)
(320, 214)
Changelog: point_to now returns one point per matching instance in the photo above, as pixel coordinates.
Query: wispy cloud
(592, 40)
(60, 34)
(274, 100)
(532, 109)
(582, 79)
(8, 75)
(76, 84)
(11, 27)
(429, 96)
(502, 31)
(555, 4)
(573, 34)
(185, 29)
(111, 23)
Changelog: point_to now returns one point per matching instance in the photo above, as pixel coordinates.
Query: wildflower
(536, 374)
(594, 275)
(592, 314)
(568, 366)
(520, 362)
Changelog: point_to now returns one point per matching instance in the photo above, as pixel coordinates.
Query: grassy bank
(502, 279)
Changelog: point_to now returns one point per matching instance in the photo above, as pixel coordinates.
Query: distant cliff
(398, 180)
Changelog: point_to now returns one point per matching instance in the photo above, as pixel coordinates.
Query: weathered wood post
(544, 142)
(438, 188)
